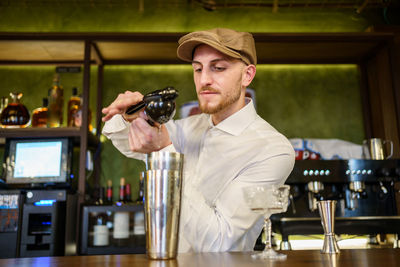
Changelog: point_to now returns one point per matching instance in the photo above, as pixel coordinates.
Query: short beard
(226, 102)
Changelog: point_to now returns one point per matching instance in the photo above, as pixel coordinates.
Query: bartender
(226, 148)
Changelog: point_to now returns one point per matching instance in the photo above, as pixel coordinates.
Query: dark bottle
(122, 197)
(56, 103)
(39, 115)
(109, 193)
(100, 197)
(74, 105)
(128, 197)
(141, 188)
(15, 114)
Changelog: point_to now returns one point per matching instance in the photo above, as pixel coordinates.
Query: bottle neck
(45, 102)
(15, 97)
(109, 194)
(122, 193)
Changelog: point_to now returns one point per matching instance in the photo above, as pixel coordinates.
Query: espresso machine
(365, 191)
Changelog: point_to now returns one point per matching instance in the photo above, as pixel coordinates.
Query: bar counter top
(356, 257)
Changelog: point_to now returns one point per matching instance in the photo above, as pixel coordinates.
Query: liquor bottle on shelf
(74, 105)
(128, 193)
(39, 115)
(139, 232)
(139, 200)
(122, 191)
(77, 115)
(109, 193)
(56, 103)
(121, 219)
(100, 231)
(121, 228)
(4, 103)
(15, 114)
(100, 196)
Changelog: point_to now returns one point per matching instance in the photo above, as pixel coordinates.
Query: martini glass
(267, 200)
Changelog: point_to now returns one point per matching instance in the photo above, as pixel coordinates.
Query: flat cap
(235, 44)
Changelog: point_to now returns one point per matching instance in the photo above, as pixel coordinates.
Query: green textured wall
(307, 101)
(314, 101)
(164, 16)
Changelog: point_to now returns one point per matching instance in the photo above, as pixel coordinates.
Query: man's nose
(206, 78)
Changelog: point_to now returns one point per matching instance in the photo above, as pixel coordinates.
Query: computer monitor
(37, 161)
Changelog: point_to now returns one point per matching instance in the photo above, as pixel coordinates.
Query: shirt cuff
(115, 124)
(169, 148)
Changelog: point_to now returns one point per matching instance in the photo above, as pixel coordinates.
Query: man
(226, 148)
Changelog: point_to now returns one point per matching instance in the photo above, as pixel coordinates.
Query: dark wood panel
(395, 63)
(382, 100)
(365, 98)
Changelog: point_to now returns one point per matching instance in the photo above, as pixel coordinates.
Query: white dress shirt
(220, 160)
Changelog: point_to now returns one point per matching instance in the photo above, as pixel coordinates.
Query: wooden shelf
(160, 48)
(40, 132)
(73, 132)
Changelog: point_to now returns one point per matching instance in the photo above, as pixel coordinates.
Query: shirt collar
(240, 120)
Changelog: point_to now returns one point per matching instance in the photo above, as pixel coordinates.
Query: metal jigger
(327, 212)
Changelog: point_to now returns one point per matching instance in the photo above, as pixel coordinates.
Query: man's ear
(249, 73)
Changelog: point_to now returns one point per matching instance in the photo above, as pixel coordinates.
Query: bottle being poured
(159, 106)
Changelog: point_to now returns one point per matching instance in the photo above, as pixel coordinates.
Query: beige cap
(229, 42)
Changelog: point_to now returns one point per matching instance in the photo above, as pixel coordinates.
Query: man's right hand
(120, 104)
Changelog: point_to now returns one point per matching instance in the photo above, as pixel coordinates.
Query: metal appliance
(10, 214)
(37, 223)
(367, 201)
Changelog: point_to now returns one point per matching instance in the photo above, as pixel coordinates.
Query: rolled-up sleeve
(117, 130)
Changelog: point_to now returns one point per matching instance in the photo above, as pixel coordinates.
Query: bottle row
(14, 114)
(120, 229)
(105, 195)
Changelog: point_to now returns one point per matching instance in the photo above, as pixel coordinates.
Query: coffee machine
(367, 201)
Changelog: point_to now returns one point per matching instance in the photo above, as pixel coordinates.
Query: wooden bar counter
(356, 257)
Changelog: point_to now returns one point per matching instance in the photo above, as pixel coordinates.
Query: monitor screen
(37, 161)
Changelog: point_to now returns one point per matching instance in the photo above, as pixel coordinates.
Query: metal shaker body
(164, 161)
(162, 193)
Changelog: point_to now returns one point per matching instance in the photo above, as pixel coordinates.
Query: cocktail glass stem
(268, 252)
(268, 233)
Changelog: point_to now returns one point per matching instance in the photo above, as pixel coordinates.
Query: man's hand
(120, 104)
(145, 138)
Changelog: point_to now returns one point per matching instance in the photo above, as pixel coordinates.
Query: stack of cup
(162, 194)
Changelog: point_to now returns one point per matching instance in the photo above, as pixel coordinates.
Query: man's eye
(197, 70)
(219, 68)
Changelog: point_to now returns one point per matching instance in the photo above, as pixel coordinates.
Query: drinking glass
(267, 200)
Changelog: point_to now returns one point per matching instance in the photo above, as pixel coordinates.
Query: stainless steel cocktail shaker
(162, 196)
